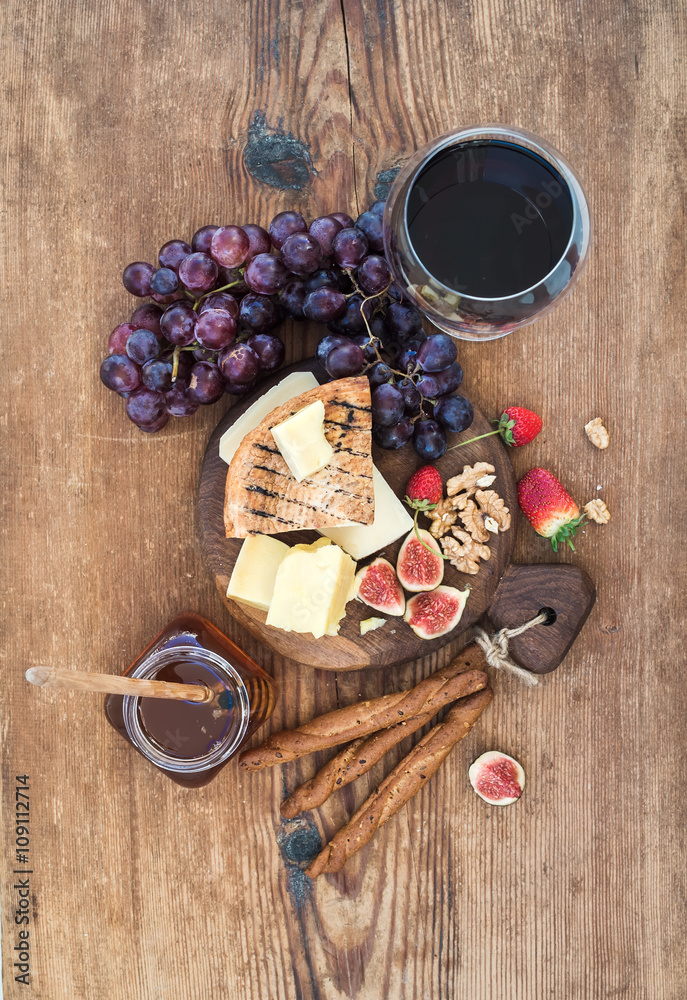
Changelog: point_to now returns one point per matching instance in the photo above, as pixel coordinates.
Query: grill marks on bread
(262, 495)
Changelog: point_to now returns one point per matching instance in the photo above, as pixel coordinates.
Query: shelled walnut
(469, 479)
(464, 552)
(597, 433)
(596, 510)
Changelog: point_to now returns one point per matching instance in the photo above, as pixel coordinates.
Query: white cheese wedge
(301, 441)
(314, 583)
(255, 570)
(391, 521)
(290, 387)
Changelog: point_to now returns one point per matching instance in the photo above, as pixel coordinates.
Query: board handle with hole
(565, 591)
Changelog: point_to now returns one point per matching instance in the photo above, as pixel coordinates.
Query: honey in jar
(192, 741)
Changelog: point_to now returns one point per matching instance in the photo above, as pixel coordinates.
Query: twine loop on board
(495, 648)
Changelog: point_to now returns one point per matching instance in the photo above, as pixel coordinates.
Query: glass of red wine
(486, 229)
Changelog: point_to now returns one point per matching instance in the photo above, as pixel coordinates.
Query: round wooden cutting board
(395, 642)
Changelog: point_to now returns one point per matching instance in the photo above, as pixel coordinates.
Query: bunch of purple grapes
(216, 302)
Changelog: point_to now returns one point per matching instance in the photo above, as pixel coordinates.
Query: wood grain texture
(349, 650)
(125, 124)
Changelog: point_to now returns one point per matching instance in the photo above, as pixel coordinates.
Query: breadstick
(401, 784)
(356, 759)
(354, 721)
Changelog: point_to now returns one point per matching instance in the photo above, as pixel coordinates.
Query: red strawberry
(519, 426)
(423, 492)
(424, 487)
(548, 506)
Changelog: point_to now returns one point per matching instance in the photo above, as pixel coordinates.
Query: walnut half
(469, 478)
(596, 510)
(597, 433)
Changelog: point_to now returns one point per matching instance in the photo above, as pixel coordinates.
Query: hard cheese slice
(301, 441)
(314, 583)
(255, 570)
(292, 385)
(391, 520)
(263, 497)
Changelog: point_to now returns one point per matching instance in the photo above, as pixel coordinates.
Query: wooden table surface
(128, 123)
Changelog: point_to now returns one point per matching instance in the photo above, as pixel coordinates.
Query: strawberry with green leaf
(548, 507)
(424, 491)
(516, 426)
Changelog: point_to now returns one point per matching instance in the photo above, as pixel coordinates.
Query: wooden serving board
(395, 642)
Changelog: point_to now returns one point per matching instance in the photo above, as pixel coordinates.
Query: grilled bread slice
(262, 495)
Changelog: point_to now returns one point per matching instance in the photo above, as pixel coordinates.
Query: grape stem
(175, 363)
(214, 291)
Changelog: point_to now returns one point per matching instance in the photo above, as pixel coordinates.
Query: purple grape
(157, 375)
(437, 352)
(379, 374)
(266, 274)
(116, 343)
(395, 436)
(147, 317)
(202, 239)
(345, 361)
(324, 305)
(206, 384)
(323, 278)
(406, 358)
(229, 246)
(136, 277)
(142, 346)
(301, 253)
(324, 229)
(284, 225)
(366, 346)
(220, 300)
(371, 225)
(328, 344)
(351, 320)
(259, 313)
(373, 275)
(239, 363)
(258, 240)
(178, 402)
(119, 373)
(215, 329)
(403, 321)
(178, 323)
(292, 298)
(198, 272)
(454, 413)
(269, 348)
(165, 300)
(449, 379)
(173, 252)
(377, 328)
(239, 389)
(428, 386)
(387, 405)
(412, 399)
(345, 220)
(349, 247)
(429, 440)
(164, 281)
(377, 208)
(155, 425)
(145, 406)
(204, 354)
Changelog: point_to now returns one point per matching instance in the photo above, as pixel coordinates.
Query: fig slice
(497, 778)
(378, 586)
(419, 568)
(435, 612)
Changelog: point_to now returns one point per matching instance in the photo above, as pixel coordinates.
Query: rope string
(495, 648)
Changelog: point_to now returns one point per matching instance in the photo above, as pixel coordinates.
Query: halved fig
(435, 612)
(497, 778)
(419, 568)
(377, 585)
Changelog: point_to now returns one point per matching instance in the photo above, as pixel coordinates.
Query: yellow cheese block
(255, 570)
(302, 443)
(390, 522)
(314, 583)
